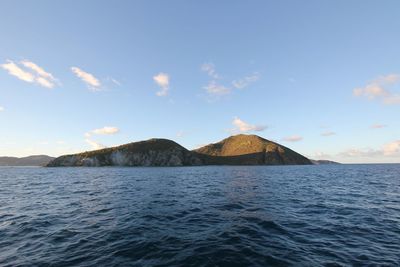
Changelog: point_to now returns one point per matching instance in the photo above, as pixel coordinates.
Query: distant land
(36, 160)
(324, 162)
(235, 150)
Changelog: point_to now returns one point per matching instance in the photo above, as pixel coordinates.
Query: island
(235, 150)
(35, 160)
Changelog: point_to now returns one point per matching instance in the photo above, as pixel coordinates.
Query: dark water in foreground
(200, 216)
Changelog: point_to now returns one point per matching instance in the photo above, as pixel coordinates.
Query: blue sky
(321, 77)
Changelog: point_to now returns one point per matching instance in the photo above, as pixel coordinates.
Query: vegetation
(235, 150)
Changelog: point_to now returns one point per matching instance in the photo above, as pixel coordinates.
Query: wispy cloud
(246, 81)
(376, 89)
(16, 71)
(45, 78)
(45, 83)
(242, 126)
(387, 79)
(107, 130)
(328, 133)
(32, 73)
(293, 138)
(1, 108)
(162, 80)
(378, 126)
(209, 68)
(94, 144)
(116, 82)
(89, 79)
(216, 89)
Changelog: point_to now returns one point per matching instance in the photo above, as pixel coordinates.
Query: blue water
(335, 215)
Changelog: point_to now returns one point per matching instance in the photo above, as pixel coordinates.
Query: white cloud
(360, 153)
(371, 91)
(209, 68)
(388, 150)
(319, 155)
(293, 138)
(1, 108)
(328, 133)
(392, 148)
(39, 70)
(106, 130)
(94, 144)
(16, 71)
(378, 126)
(45, 83)
(162, 80)
(246, 81)
(376, 90)
(33, 74)
(215, 89)
(242, 126)
(388, 79)
(91, 81)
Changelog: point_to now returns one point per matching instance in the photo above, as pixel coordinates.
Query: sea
(326, 215)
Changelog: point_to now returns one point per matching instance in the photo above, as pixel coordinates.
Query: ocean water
(332, 215)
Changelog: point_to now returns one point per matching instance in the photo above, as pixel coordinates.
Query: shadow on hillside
(260, 158)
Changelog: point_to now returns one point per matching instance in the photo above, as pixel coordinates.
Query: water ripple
(347, 215)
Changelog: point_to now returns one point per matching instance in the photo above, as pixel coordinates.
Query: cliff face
(154, 152)
(235, 150)
(249, 150)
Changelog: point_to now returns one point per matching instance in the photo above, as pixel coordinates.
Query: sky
(320, 77)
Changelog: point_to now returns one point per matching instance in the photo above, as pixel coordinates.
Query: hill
(153, 152)
(249, 150)
(36, 160)
(235, 150)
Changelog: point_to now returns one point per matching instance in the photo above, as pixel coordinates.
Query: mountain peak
(244, 149)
